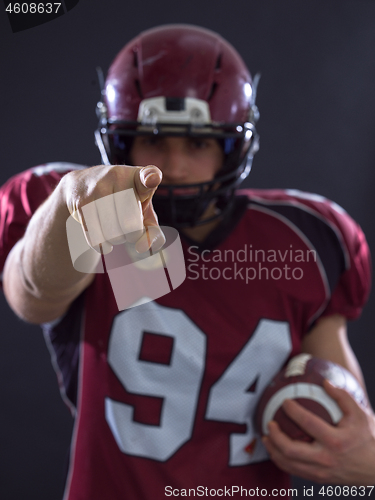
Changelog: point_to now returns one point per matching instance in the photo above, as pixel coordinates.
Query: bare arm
(342, 454)
(39, 280)
(328, 340)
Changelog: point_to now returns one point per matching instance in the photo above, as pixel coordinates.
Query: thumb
(146, 180)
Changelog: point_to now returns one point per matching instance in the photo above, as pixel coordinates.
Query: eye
(198, 143)
(119, 142)
(150, 140)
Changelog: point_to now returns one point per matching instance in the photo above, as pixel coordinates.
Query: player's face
(182, 160)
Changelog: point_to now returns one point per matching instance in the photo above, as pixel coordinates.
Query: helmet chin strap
(179, 213)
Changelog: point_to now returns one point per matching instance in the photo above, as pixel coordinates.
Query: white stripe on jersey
(310, 210)
(57, 166)
(309, 244)
(315, 197)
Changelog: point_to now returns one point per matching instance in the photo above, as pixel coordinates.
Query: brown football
(302, 379)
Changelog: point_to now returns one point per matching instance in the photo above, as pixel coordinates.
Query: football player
(164, 393)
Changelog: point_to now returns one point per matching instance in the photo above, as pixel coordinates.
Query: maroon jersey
(164, 393)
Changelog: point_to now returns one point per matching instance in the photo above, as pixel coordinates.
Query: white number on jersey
(179, 382)
(230, 399)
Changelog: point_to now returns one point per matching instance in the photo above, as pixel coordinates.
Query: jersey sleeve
(20, 197)
(353, 283)
(340, 245)
(353, 288)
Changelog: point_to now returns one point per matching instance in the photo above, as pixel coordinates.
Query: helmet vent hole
(135, 59)
(138, 87)
(218, 62)
(212, 91)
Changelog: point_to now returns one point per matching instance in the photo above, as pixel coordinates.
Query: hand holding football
(302, 380)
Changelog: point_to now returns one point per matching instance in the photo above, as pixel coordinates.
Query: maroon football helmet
(181, 80)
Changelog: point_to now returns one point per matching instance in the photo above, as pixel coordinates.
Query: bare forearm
(328, 340)
(39, 279)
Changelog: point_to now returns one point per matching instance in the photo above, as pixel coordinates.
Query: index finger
(312, 424)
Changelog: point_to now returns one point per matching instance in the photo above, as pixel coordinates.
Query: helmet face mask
(146, 96)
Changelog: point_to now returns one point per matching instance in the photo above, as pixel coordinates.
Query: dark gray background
(317, 127)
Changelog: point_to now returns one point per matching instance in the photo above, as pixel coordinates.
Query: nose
(174, 163)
